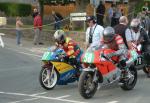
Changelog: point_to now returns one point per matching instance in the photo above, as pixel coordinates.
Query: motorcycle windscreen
(47, 56)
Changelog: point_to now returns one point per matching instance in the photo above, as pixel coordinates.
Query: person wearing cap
(93, 33)
(122, 27)
(70, 46)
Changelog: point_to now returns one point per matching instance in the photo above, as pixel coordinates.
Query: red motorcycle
(100, 71)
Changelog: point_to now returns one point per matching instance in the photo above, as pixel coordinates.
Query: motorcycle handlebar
(107, 58)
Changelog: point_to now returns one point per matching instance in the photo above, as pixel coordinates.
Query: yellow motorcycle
(56, 70)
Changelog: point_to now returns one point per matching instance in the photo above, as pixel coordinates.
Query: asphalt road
(19, 72)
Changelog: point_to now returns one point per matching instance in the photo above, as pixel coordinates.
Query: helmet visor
(136, 29)
(108, 39)
(60, 40)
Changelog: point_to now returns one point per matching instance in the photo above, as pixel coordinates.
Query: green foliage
(138, 7)
(15, 9)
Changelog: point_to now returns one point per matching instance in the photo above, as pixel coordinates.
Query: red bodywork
(104, 66)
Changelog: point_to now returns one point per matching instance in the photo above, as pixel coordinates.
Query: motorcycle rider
(137, 36)
(71, 48)
(115, 41)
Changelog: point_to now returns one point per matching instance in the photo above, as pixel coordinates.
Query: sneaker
(41, 43)
(20, 44)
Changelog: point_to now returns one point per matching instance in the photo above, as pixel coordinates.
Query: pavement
(19, 72)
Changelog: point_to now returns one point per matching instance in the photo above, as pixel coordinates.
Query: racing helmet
(59, 36)
(108, 34)
(135, 25)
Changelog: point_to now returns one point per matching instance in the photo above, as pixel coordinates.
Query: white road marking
(30, 54)
(113, 102)
(24, 100)
(1, 41)
(25, 53)
(65, 96)
(38, 94)
(42, 97)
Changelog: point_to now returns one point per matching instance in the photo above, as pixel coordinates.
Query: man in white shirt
(93, 33)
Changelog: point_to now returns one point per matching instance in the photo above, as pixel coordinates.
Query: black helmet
(59, 36)
(108, 34)
(91, 18)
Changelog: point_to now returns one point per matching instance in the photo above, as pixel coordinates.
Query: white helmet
(135, 23)
(59, 36)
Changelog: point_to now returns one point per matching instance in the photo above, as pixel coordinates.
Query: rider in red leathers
(115, 42)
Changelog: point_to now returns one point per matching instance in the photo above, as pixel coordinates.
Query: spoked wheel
(130, 83)
(87, 87)
(48, 78)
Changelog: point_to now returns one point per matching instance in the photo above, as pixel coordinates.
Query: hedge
(16, 9)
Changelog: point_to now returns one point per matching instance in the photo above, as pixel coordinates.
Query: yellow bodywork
(62, 67)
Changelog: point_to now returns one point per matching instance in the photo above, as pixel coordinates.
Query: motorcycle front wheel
(87, 87)
(48, 78)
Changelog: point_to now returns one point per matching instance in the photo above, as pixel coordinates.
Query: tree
(41, 7)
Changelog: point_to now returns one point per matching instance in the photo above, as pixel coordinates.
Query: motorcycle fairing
(62, 67)
(67, 77)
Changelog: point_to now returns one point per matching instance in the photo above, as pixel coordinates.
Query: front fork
(49, 70)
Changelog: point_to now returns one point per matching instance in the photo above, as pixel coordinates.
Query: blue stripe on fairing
(67, 77)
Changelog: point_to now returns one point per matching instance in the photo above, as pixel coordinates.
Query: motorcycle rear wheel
(145, 70)
(126, 84)
(87, 88)
(48, 82)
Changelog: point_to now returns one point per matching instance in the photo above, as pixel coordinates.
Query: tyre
(131, 82)
(48, 81)
(87, 87)
(145, 70)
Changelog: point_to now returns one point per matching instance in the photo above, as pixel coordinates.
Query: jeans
(37, 36)
(18, 36)
(57, 25)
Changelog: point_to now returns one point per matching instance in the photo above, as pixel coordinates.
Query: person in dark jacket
(100, 13)
(122, 27)
(58, 19)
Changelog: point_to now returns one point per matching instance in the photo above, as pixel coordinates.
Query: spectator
(145, 6)
(122, 27)
(110, 13)
(19, 24)
(35, 13)
(116, 15)
(100, 11)
(37, 29)
(93, 33)
(58, 19)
